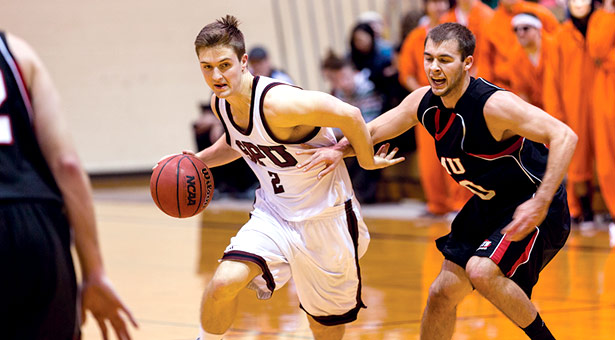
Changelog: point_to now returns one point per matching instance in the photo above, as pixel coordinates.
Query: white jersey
(294, 194)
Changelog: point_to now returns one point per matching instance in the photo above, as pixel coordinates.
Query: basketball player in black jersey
(493, 143)
(44, 198)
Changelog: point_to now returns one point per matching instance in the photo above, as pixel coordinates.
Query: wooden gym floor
(160, 265)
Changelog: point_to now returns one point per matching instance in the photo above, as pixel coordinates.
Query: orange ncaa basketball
(181, 185)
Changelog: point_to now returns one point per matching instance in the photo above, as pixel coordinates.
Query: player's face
(579, 8)
(444, 67)
(222, 69)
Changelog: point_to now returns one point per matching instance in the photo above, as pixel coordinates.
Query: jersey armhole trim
(308, 137)
(219, 114)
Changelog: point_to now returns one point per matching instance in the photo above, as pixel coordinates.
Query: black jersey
(24, 174)
(496, 171)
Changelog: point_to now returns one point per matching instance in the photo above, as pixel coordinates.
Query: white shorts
(322, 253)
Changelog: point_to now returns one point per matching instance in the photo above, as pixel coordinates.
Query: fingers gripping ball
(181, 185)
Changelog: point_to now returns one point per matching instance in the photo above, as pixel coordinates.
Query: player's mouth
(220, 86)
(438, 82)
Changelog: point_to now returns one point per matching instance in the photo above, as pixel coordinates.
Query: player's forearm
(76, 192)
(218, 154)
(561, 149)
(389, 125)
(358, 136)
(381, 129)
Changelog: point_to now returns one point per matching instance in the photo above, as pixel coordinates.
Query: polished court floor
(160, 266)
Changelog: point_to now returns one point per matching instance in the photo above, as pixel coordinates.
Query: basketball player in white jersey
(301, 224)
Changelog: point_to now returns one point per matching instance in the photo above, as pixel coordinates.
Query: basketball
(181, 185)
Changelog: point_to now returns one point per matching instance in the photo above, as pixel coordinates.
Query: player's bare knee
(481, 272)
(442, 295)
(321, 331)
(223, 289)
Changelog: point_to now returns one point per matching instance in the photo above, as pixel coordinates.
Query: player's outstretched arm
(386, 126)
(98, 295)
(508, 115)
(288, 107)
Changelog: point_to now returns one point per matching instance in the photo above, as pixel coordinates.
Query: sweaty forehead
(216, 54)
(446, 47)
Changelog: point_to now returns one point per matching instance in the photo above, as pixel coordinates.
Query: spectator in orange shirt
(500, 39)
(569, 78)
(601, 45)
(443, 195)
(527, 62)
(474, 14)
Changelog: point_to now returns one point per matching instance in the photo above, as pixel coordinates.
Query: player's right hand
(99, 297)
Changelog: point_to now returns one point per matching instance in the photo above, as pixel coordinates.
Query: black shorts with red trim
(38, 289)
(476, 231)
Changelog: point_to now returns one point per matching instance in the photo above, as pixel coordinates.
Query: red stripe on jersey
(524, 257)
(500, 250)
(507, 151)
(441, 134)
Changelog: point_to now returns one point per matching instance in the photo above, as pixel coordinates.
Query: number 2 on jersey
(275, 182)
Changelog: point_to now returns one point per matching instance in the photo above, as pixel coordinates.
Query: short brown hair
(223, 31)
(454, 31)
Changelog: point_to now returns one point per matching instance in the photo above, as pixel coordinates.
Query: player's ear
(244, 62)
(468, 62)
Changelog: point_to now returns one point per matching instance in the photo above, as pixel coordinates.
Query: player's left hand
(330, 156)
(383, 159)
(526, 218)
(99, 297)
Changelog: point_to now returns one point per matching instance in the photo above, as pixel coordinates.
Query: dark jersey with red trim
(496, 171)
(24, 173)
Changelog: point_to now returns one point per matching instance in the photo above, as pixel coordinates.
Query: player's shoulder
(420, 92)
(24, 54)
(501, 102)
(280, 95)
(19, 47)
(413, 101)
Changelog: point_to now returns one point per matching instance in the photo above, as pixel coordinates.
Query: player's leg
(322, 332)
(445, 293)
(326, 269)
(505, 272)
(503, 292)
(219, 305)
(507, 296)
(255, 259)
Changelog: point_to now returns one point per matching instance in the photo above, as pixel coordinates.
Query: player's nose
(434, 66)
(216, 74)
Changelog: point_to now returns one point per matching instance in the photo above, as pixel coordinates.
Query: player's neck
(240, 101)
(451, 99)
